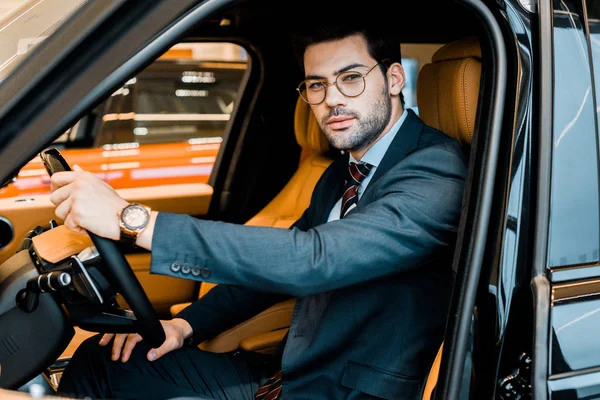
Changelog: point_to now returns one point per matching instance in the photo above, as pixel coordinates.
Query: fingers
(166, 347)
(60, 194)
(123, 344)
(118, 346)
(72, 224)
(173, 341)
(60, 179)
(132, 340)
(76, 167)
(107, 337)
(63, 208)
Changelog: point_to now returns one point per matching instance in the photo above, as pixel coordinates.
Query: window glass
(162, 127)
(574, 222)
(414, 57)
(25, 24)
(570, 350)
(411, 71)
(187, 94)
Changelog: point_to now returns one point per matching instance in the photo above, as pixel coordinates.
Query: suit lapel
(332, 188)
(405, 142)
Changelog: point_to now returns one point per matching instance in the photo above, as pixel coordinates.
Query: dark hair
(381, 44)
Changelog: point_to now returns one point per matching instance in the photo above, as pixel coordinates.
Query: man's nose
(333, 96)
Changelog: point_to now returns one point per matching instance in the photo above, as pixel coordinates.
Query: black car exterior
(524, 315)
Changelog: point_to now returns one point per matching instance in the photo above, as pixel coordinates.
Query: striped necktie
(271, 389)
(356, 174)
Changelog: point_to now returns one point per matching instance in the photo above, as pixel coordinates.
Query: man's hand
(86, 203)
(176, 331)
(13, 395)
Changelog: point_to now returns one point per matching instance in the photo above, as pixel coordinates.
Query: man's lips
(340, 122)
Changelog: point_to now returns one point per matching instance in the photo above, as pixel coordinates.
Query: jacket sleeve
(225, 306)
(414, 214)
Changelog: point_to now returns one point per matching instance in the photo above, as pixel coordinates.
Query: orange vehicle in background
(178, 106)
(127, 165)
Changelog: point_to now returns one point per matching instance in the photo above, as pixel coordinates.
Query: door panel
(26, 213)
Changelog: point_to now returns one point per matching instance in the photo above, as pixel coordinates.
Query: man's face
(349, 123)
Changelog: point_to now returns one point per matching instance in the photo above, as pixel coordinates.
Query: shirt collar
(375, 154)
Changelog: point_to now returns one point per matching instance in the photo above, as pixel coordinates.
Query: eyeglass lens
(350, 84)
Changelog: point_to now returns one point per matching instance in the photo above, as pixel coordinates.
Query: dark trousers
(186, 373)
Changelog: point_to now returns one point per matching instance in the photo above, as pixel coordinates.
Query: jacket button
(205, 272)
(185, 268)
(175, 267)
(196, 270)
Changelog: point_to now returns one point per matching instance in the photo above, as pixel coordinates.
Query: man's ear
(396, 78)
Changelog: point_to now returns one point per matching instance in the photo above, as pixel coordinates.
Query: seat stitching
(464, 94)
(437, 100)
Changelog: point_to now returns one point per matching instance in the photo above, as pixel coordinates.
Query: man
(372, 278)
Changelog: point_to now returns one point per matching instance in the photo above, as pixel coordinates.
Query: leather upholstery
(448, 92)
(308, 133)
(59, 243)
(251, 331)
(259, 332)
(264, 343)
(433, 375)
(448, 89)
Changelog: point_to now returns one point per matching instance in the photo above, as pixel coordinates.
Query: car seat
(447, 94)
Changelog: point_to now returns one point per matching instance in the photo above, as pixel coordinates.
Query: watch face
(135, 217)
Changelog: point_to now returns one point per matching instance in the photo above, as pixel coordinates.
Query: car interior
(271, 157)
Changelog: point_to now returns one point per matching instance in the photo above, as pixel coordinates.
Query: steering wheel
(120, 273)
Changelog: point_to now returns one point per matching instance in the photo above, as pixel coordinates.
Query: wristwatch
(133, 218)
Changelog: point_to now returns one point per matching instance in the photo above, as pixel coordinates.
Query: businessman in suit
(369, 261)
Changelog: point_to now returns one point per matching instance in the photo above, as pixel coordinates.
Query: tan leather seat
(447, 94)
(264, 331)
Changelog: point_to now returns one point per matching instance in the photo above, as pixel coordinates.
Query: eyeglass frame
(328, 84)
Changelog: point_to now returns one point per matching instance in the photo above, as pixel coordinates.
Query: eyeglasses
(349, 83)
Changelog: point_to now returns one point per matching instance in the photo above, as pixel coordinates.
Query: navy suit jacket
(372, 288)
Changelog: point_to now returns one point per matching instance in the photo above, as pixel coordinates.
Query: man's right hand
(177, 330)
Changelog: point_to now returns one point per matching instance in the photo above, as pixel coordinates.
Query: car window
(187, 94)
(28, 24)
(414, 57)
(574, 236)
(163, 126)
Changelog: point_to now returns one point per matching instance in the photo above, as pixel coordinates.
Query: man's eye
(351, 77)
(315, 86)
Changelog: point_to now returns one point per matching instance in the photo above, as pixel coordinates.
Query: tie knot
(359, 171)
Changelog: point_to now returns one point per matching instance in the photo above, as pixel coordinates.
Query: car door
(155, 140)
(567, 347)
(164, 109)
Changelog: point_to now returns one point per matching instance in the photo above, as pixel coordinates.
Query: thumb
(76, 167)
(155, 354)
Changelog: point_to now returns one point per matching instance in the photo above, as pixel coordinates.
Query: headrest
(308, 134)
(448, 89)
(463, 48)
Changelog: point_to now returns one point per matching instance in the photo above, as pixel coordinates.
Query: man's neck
(359, 153)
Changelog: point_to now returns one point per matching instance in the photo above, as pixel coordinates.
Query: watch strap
(128, 238)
